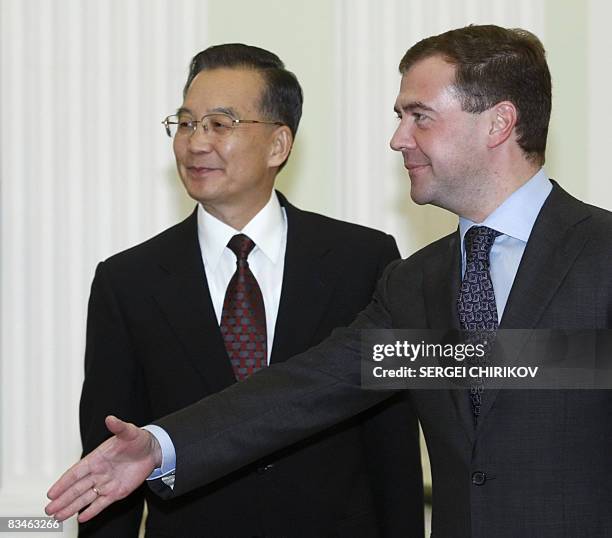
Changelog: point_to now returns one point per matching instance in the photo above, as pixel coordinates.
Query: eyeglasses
(219, 124)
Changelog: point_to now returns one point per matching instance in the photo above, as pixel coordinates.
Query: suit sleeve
(391, 441)
(389, 253)
(277, 406)
(112, 385)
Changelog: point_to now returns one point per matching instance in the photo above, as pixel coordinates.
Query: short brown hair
(495, 64)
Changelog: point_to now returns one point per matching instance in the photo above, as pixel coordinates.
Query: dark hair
(282, 98)
(495, 64)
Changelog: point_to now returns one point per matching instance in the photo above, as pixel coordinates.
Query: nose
(403, 137)
(200, 140)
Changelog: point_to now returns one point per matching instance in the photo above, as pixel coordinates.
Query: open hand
(109, 473)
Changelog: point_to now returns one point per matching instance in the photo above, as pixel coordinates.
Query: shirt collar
(265, 229)
(516, 216)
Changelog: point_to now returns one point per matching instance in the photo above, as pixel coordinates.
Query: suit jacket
(537, 465)
(154, 346)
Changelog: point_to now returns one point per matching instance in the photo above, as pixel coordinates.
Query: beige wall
(301, 33)
(567, 46)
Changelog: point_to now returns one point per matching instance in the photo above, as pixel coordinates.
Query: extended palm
(116, 468)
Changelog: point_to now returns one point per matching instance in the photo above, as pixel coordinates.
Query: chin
(419, 197)
(200, 194)
(419, 201)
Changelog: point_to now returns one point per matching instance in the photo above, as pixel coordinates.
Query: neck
(497, 187)
(237, 215)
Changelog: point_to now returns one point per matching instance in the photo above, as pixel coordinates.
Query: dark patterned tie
(476, 302)
(243, 320)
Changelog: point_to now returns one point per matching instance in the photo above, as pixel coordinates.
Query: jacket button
(265, 468)
(479, 478)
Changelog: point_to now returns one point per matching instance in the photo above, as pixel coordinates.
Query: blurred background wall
(86, 169)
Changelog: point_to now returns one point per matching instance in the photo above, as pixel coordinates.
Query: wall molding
(86, 171)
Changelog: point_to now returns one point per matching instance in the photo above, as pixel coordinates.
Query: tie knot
(479, 240)
(241, 245)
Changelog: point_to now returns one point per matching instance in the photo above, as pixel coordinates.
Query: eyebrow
(413, 105)
(217, 110)
(225, 110)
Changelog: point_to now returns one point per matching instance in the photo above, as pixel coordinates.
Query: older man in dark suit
(174, 320)
(473, 107)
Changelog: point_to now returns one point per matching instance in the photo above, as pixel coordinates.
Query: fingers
(68, 508)
(123, 430)
(81, 498)
(119, 465)
(114, 424)
(69, 502)
(95, 508)
(78, 471)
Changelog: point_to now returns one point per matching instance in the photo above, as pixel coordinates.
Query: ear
(503, 118)
(282, 141)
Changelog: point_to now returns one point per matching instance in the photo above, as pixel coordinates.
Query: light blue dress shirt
(514, 218)
(168, 465)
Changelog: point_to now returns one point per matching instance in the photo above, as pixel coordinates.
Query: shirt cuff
(168, 464)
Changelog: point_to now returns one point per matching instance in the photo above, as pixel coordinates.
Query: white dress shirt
(268, 230)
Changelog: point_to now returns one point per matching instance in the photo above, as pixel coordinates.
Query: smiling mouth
(415, 166)
(201, 170)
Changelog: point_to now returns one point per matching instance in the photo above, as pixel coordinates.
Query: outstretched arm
(109, 473)
(272, 409)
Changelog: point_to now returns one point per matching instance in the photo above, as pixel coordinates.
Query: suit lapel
(184, 299)
(307, 285)
(441, 280)
(551, 251)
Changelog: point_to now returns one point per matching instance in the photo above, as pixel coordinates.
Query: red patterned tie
(243, 320)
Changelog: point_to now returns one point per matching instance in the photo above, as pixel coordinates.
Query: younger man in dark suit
(164, 329)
